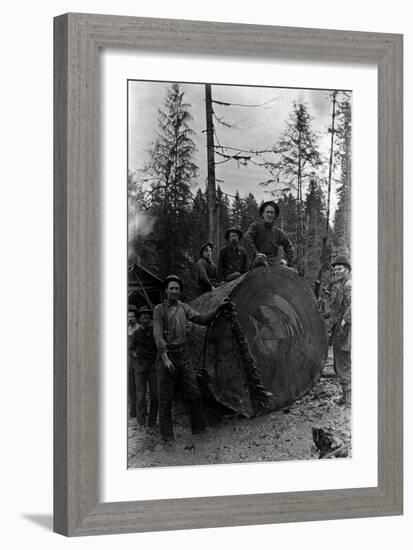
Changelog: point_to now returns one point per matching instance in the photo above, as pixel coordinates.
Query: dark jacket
(206, 274)
(142, 343)
(341, 311)
(232, 260)
(265, 238)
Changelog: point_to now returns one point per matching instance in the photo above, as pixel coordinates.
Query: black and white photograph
(239, 273)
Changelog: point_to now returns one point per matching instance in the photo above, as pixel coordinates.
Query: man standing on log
(170, 321)
(263, 237)
(144, 365)
(341, 326)
(233, 258)
(206, 270)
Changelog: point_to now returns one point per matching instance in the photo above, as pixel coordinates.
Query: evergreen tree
(172, 172)
(298, 157)
(314, 228)
(224, 221)
(237, 209)
(249, 212)
(342, 218)
(199, 233)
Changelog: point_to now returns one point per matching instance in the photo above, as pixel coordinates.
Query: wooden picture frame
(78, 39)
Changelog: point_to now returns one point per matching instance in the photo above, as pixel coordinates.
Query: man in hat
(233, 258)
(144, 349)
(206, 270)
(341, 325)
(263, 237)
(170, 321)
(132, 327)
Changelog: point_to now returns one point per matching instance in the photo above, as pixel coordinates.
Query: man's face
(172, 291)
(131, 318)
(207, 252)
(340, 271)
(145, 320)
(269, 214)
(233, 238)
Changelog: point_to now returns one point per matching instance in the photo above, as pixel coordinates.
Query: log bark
(285, 334)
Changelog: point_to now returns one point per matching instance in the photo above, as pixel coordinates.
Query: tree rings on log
(285, 335)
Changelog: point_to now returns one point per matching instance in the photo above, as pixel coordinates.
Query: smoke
(140, 224)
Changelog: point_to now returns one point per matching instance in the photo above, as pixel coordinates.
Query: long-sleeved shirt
(206, 274)
(265, 238)
(170, 323)
(232, 260)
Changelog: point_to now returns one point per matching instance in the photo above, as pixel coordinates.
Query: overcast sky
(260, 127)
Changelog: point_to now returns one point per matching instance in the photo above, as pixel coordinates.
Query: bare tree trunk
(323, 258)
(212, 198)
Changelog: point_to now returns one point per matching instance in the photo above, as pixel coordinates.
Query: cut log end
(284, 333)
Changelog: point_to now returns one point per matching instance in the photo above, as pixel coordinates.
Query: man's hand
(168, 363)
(224, 303)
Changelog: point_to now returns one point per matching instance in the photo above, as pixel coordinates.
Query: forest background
(201, 158)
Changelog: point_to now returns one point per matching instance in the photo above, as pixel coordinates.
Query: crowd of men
(158, 354)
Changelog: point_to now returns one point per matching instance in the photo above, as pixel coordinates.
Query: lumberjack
(264, 237)
(341, 326)
(170, 323)
(233, 258)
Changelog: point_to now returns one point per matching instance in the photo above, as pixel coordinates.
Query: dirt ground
(282, 435)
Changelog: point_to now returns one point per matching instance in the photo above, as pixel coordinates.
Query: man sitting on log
(144, 365)
(206, 270)
(341, 325)
(264, 237)
(233, 258)
(170, 320)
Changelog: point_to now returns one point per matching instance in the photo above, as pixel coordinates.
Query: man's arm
(249, 238)
(158, 332)
(347, 298)
(244, 260)
(158, 329)
(203, 318)
(287, 246)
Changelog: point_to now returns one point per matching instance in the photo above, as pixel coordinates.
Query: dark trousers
(342, 366)
(145, 375)
(183, 376)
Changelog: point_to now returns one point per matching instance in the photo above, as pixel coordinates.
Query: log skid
(285, 334)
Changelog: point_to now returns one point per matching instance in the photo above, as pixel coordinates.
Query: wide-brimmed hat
(203, 246)
(270, 203)
(131, 308)
(175, 278)
(142, 310)
(233, 230)
(341, 260)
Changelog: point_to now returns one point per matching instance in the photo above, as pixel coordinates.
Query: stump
(285, 334)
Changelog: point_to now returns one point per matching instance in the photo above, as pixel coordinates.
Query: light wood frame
(78, 39)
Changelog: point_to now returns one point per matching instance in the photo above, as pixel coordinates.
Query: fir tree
(172, 171)
(298, 157)
(342, 218)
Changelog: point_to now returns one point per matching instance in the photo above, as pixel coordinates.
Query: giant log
(285, 336)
